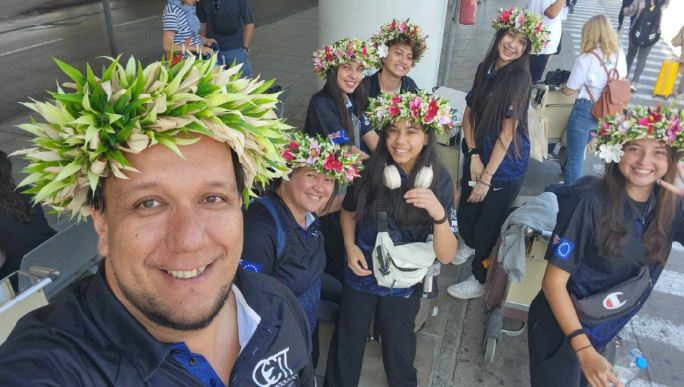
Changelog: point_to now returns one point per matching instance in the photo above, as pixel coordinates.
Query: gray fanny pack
(614, 302)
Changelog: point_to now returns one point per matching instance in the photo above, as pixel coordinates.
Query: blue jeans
(239, 56)
(580, 124)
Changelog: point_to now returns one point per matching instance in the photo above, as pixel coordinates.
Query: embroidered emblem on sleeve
(250, 266)
(564, 249)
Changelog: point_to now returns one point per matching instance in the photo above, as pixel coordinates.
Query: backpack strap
(611, 74)
(280, 231)
(381, 216)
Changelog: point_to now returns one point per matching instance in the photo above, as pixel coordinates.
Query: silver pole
(446, 69)
(110, 29)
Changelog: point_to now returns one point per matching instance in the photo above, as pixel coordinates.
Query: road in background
(34, 31)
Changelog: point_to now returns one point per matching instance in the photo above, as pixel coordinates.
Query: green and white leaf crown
(431, 111)
(86, 132)
(393, 30)
(660, 123)
(323, 155)
(344, 51)
(521, 20)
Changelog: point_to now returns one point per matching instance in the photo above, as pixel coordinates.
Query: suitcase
(666, 78)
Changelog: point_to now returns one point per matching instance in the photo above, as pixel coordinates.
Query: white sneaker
(462, 253)
(470, 288)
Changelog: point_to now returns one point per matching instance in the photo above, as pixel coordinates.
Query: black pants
(537, 66)
(621, 15)
(396, 319)
(552, 360)
(333, 244)
(479, 223)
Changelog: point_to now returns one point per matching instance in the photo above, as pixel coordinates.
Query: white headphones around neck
(392, 179)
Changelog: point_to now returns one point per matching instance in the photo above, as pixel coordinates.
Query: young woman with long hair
(400, 44)
(22, 225)
(496, 145)
(611, 232)
(338, 110)
(599, 47)
(405, 179)
(282, 229)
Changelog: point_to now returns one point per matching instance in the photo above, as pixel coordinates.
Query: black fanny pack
(615, 302)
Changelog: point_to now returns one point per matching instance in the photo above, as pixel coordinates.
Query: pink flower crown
(341, 52)
(322, 155)
(523, 21)
(431, 111)
(393, 30)
(660, 123)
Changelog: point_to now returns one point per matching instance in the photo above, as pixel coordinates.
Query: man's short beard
(153, 309)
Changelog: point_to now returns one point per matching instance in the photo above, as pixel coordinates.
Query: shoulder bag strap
(280, 231)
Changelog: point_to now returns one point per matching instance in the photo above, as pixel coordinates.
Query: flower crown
(393, 30)
(431, 111)
(660, 123)
(526, 22)
(87, 131)
(341, 52)
(322, 155)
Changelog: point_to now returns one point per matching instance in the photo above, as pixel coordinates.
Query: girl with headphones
(405, 179)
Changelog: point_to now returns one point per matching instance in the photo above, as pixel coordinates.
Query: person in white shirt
(551, 12)
(588, 78)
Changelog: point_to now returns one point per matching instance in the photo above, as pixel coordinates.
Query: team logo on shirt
(612, 301)
(274, 371)
(563, 248)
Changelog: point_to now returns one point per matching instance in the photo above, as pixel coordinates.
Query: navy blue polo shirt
(301, 264)
(371, 85)
(575, 248)
(226, 23)
(324, 118)
(366, 234)
(86, 337)
(511, 168)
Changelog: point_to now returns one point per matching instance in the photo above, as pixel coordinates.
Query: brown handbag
(614, 97)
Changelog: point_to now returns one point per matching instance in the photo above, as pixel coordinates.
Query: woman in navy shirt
(496, 145)
(609, 230)
(282, 232)
(417, 205)
(338, 110)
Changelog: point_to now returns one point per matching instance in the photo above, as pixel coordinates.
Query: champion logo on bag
(612, 301)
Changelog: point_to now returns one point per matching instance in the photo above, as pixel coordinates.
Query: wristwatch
(474, 151)
(245, 48)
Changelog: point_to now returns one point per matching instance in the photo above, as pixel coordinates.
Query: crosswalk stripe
(671, 282)
(657, 329)
(645, 383)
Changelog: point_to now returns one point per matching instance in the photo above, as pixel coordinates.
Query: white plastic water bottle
(627, 367)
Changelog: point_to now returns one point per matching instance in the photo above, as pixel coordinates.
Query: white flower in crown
(610, 153)
(382, 51)
(624, 126)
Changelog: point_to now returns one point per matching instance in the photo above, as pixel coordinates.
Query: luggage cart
(505, 299)
(551, 108)
(510, 300)
(15, 305)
